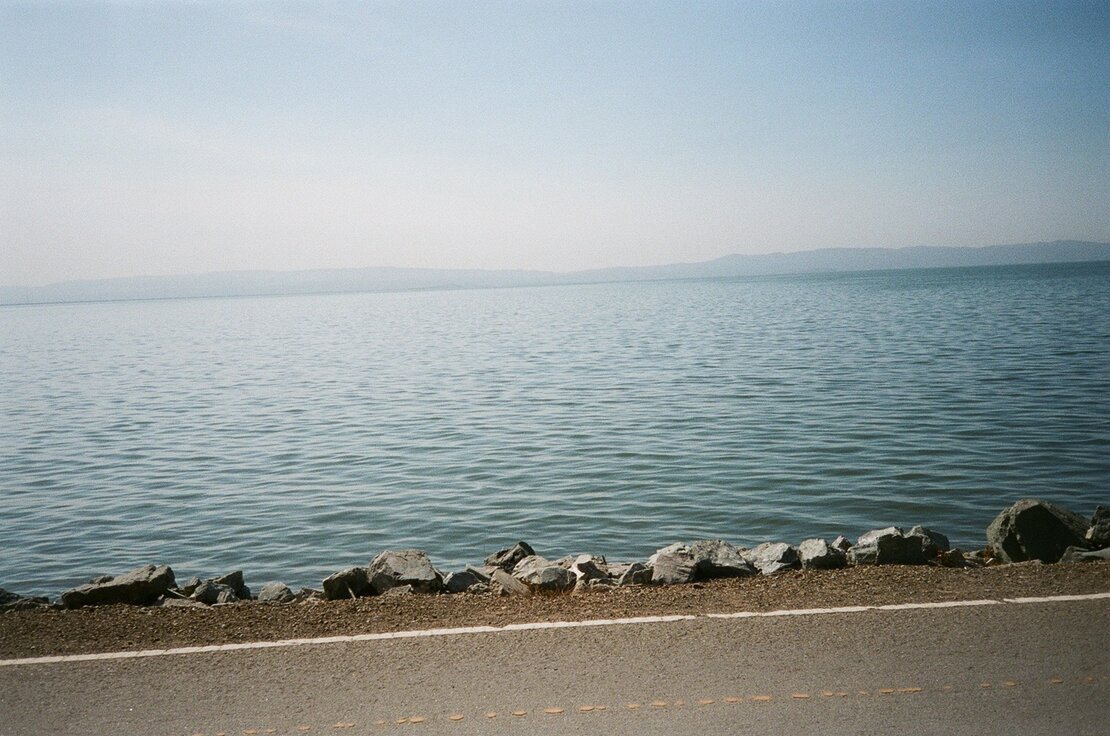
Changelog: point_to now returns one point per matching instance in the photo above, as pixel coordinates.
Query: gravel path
(120, 628)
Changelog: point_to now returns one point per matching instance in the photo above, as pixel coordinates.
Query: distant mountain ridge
(259, 283)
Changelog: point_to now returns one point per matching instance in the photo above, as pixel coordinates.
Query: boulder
(14, 602)
(507, 559)
(210, 593)
(932, 543)
(354, 582)
(1077, 554)
(190, 585)
(170, 601)
(817, 554)
(672, 564)
(275, 593)
(635, 574)
(1098, 536)
(542, 575)
(234, 580)
(588, 567)
(889, 546)
(842, 543)
(1036, 530)
(773, 557)
(952, 558)
(141, 586)
(502, 583)
(716, 558)
(592, 585)
(399, 590)
(391, 569)
(460, 582)
(479, 588)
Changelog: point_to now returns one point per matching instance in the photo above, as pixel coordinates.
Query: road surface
(1005, 668)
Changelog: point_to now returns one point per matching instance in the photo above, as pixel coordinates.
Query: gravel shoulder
(124, 628)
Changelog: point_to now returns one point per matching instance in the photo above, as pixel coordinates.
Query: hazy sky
(149, 138)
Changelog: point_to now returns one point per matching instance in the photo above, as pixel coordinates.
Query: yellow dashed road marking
(761, 698)
(585, 708)
(909, 690)
(1009, 683)
(491, 714)
(417, 719)
(985, 685)
(632, 706)
(732, 699)
(553, 711)
(705, 701)
(519, 713)
(658, 704)
(800, 696)
(886, 690)
(455, 717)
(827, 693)
(1057, 681)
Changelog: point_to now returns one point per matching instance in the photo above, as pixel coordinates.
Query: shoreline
(48, 632)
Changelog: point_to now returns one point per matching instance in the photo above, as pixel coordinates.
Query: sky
(142, 138)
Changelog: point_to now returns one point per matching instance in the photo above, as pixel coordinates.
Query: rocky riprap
(1029, 530)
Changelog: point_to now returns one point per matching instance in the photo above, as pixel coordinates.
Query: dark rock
(484, 572)
(817, 554)
(842, 543)
(593, 585)
(479, 588)
(672, 564)
(716, 558)
(354, 582)
(932, 543)
(141, 586)
(234, 580)
(635, 574)
(399, 590)
(1036, 530)
(460, 582)
(507, 559)
(1098, 536)
(412, 567)
(502, 583)
(773, 557)
(275, 593)
(952, 558)
(100, 579)
(889, 546)
(1077, 554)
(210, 593)
(14, 602)
(190, 585)
(543, 576)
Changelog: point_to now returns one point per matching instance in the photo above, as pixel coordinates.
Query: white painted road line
(145, 653)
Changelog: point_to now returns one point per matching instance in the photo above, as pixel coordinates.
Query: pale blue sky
(147, 138)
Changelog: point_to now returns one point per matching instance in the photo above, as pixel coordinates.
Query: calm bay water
(293, 436)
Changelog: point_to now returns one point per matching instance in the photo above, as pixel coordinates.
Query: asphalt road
(1033, 668)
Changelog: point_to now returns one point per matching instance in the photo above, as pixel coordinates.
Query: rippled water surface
(293, 436)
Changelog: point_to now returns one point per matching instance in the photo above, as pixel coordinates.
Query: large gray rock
(502, 583)
(817, 554)
(460, 582)
(141, 586)
(589, 567)
(635, 574)
(842, 543)
(716, 558)
(773, 557)
(1036, 530)
(210, 593)
(543, 576)
(1098, 536)
(354, 582)
(507, 559)
(234, 580)
(672, 565)
(889, 546)
(275, 593)
(932, 543)
(1076, 554)
(394, 568)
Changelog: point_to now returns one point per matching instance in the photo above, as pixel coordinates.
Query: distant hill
(255, 283)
